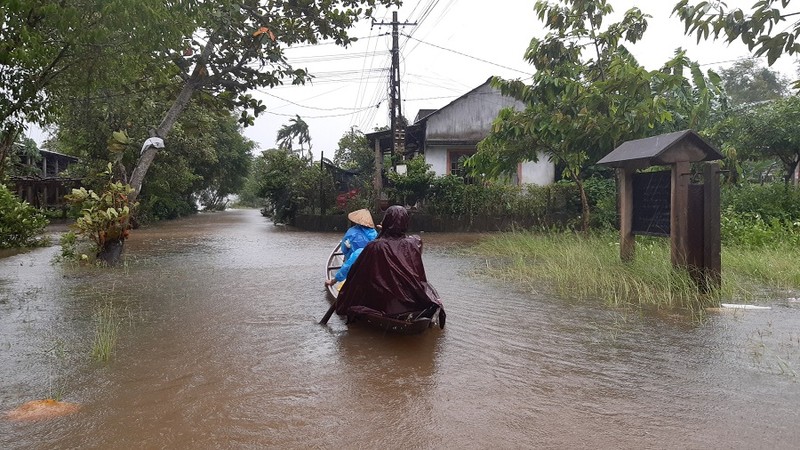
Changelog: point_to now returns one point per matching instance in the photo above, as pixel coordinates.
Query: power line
(468, 56)
(321, 117)
(312, 107)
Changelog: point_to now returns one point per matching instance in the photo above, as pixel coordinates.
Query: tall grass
(589, 267)
(107, 324)
(774, 267)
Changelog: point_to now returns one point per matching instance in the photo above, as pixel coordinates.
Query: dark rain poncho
(388, 278)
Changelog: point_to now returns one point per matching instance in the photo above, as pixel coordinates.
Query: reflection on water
(219, 347)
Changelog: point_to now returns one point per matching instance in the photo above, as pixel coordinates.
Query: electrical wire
(469, 56)
(318, 117)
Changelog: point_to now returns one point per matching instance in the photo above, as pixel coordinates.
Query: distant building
(40, 182)
(447, 136)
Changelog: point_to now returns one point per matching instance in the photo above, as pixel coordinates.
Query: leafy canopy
(765, 30)
(589, 94)
(296, 129)
(746, 81)
(768, 131)
(353, 152)
(46, 48)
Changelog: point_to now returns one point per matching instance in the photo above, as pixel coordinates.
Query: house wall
(460, 125)
(541, 173)
(468, 118)
(437, 157)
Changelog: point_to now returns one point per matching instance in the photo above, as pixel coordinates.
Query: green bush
(751, 230)
(289, 185)
(105, 217)
(602, 193)
(411, 187)
(21, 225)
(756, 215)
(545, 206)
(768, 201)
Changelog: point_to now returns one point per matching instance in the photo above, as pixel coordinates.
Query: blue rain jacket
(341, 274)
(356, 238)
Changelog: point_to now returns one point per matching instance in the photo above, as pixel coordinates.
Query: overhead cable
(468, 56)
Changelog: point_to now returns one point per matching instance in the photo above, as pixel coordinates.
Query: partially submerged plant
(107, 329)
(105, 218)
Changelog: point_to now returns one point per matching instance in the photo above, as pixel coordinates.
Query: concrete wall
(468, 118)
(437, 158)
(541, 173)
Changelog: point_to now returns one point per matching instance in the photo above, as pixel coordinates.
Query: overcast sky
(455, 46)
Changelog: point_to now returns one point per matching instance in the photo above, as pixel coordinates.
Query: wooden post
(712, 244)
(627, 241)
(378, 182)
(679, 204)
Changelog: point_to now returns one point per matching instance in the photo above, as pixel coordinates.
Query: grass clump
(107, 324)
(589, 267)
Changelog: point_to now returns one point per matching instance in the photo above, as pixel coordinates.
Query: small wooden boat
(335, 262)
(413, 322)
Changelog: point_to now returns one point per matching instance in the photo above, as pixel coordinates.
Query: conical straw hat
(362, 217)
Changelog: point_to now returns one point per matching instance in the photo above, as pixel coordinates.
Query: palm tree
(297, 128)
(285, 138)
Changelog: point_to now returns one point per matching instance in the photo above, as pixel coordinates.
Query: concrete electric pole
(395, 113)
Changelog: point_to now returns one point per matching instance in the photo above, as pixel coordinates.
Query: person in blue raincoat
(355, 239)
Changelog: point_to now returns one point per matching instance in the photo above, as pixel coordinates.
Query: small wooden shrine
(668, 202)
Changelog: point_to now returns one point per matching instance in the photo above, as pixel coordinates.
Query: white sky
(455, 46)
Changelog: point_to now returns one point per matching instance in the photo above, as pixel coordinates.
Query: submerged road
(218, 347)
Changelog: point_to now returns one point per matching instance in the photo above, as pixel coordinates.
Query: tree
(46, 47)
(229, 170)
(208, 156)
(589, 94)
(748, 82)
(764, 30)
(769, 130)
(287, 182)
(241, 49)
(297, 129)
(354, 153)
(222, 48)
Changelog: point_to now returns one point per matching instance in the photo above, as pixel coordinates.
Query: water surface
(219, 348)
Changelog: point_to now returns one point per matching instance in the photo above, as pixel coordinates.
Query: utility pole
(395, 115)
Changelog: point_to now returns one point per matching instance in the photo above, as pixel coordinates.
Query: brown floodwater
(219, 347)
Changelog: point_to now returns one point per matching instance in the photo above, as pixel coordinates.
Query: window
(456, 160)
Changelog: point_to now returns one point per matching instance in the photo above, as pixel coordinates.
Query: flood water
(219, 348)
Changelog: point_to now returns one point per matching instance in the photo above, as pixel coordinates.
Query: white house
(449, 134)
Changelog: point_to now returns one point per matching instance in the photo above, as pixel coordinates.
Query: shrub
(760, 215)
(543, 206)
(105, 218)
(768, 201)
(411, 187)
(602, 193)
(21, 225)
(751, 230)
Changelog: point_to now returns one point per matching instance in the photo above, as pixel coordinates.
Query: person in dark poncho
(389, 278)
